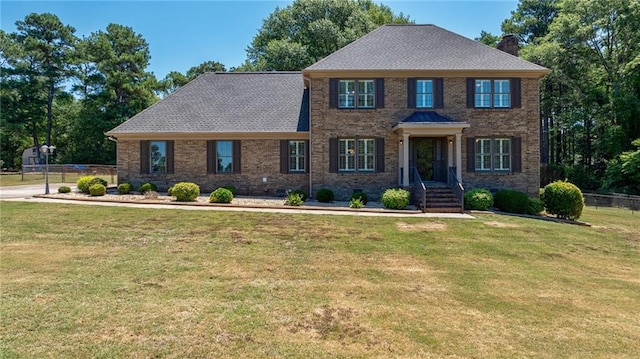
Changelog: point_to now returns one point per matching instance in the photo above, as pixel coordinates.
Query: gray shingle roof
(419, 47)
(228, 102)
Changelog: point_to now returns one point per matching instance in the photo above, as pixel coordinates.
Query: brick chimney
(509, 44)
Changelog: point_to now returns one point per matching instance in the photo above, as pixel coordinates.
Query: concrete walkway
(26, 193)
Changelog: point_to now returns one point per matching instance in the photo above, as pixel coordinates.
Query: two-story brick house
(402, 102)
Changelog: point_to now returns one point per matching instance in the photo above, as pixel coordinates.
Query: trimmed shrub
(125, 188)
(170, 191)
(511, 201)
(185, 191)
(395, 198)
(535, 206)
(233, 189)
(302, 193)
(97, 189)
(360, 195)
(221, 195)
(356, 202)
(479, 199)
(83, 183)
(325, 195)
(146, 187)
(64, 189)
(99, 181)
(564, 199)
(294, 199)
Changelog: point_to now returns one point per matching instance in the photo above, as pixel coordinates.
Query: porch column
(405, 160)
(449, 153)
(459, 156)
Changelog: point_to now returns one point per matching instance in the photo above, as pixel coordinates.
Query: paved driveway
(27, 191)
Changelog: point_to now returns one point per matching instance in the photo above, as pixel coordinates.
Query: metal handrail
(456, 186)
(420, 190)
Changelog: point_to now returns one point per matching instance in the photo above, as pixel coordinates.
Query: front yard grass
(39, 178)
(88, 281)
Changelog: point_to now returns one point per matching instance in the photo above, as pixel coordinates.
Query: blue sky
(182, 34)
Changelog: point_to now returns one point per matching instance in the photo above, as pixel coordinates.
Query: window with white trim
(424, 93)
(356, 155)
(297, 156)
(356, 94)
(492, 93)
(492, 154)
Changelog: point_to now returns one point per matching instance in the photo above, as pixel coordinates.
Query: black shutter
(471, 92)
(380, 154)
(411, 93)
(471, 154)
(438, 101)
(211, 157)
(516, 93)
(236, 156)
(333, 93)
(284, 156)
(333, 155)
(516, 154)
(144, 157)
(379, 93)
(170, 157)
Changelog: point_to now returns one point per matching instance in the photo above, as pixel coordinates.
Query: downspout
(308, 79)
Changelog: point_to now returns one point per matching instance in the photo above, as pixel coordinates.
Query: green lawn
(81, 281)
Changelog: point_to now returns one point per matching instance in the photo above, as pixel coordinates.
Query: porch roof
(425, 122)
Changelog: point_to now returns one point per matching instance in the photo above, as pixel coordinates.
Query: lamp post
(46, 150)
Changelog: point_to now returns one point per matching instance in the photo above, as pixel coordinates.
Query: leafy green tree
(531, 20)
(175, 79)
(488, 39)
(304, 32)
(623, 172)
(35, 65)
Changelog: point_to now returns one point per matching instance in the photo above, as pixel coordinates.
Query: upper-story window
(494, 93)
(356, 94)
(424, 93)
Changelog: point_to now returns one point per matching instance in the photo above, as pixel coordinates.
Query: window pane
(501, 90)
(296, 155)
(346, 93)
(224, 152)
(347, 154)
(424, 93)
(158, 154)
(483, 154)
(365, 93)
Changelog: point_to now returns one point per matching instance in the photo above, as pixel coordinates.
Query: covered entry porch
(430, 155)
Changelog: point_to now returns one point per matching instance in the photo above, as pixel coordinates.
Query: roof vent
(509, 44)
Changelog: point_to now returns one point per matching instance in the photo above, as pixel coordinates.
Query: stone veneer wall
(259, 158)
(327, 123)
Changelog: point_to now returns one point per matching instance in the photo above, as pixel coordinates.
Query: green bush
(125, 188)
(221, 195)
(64, 189)
(395, 198)
(360, 195)
(302, 193)
(356, 202)
(233, 189)
(146, 187)
(185, 191)
(97, 189)
(325, 195)
(294, 199)
(479, 199)
(563, 199)
(170, 191)
(535, 206)
(511, 201)
(83, 183)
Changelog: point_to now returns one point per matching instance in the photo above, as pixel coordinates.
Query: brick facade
(330, 122)
(259, 159)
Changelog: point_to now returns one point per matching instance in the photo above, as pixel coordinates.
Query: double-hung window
(356, 94)
(224, 156)
(424, 93)
(158, 157)
(492, 154)
(492, 93)
(297, 156)
(356, 155)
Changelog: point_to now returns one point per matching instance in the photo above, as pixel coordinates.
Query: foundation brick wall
(259, 158)
(327, 123)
